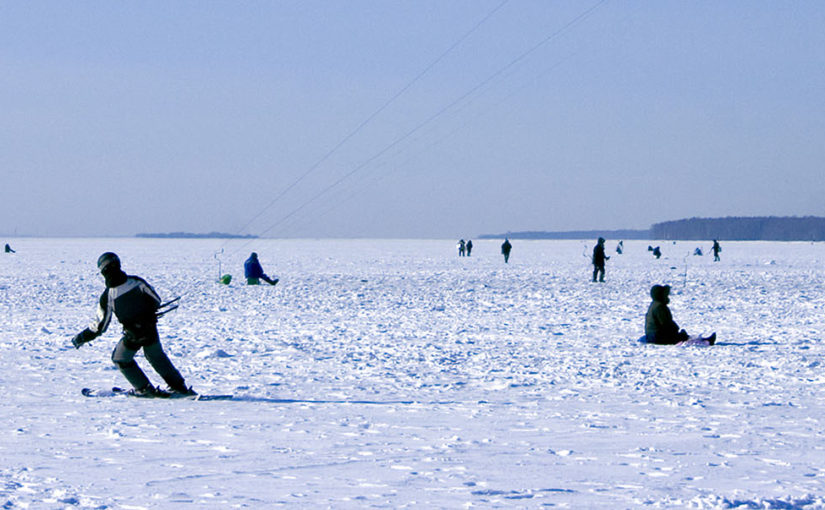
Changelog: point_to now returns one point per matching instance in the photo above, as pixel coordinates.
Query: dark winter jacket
(506, 247)
(659, 324)
(252, 268)
(129, 298)
(598, 255)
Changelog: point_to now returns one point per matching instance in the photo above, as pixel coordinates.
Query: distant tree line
(573, 234)
(767, 228)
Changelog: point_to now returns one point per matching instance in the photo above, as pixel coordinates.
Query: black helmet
(106, 260)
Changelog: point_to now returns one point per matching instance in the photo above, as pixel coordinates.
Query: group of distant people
(465, 248)
(598, 258)
(716, 249)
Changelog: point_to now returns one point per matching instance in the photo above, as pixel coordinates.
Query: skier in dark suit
(135, 304)
(716, 249)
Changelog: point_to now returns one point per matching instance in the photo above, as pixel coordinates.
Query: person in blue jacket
(254, 273)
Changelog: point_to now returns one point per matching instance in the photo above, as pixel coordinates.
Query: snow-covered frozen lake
(394, 374)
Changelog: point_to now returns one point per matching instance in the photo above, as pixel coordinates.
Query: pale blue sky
(126, 117)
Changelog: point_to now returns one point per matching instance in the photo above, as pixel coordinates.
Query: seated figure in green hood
(660, 328)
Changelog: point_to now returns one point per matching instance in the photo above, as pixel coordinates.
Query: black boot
(150, 391)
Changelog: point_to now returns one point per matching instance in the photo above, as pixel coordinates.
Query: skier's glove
(81, 338)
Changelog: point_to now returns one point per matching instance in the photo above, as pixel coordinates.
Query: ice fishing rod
(220, 270)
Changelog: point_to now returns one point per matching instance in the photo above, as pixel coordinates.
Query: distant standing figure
(254, 272)
(598, 260)
(716, 249)
(620, 247)
(8, 249)
(505, 249)
(461, 248)
(469, 247)
(660, 328)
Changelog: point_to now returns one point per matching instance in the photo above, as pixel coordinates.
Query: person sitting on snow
(135, 304)
(254, 273)
(660, 328)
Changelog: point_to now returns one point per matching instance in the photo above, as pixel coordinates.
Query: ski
(120, 392)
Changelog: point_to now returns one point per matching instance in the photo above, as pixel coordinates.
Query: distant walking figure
(8, 249)
(469, 247)
(254, 272)
(461, 248)
(716, 249)
(660, 328)
(505, 249)
(598, 260)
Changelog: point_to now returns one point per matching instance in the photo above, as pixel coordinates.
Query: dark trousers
(598, 271)
(257, 281)
(672, 339)
(145, 337)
